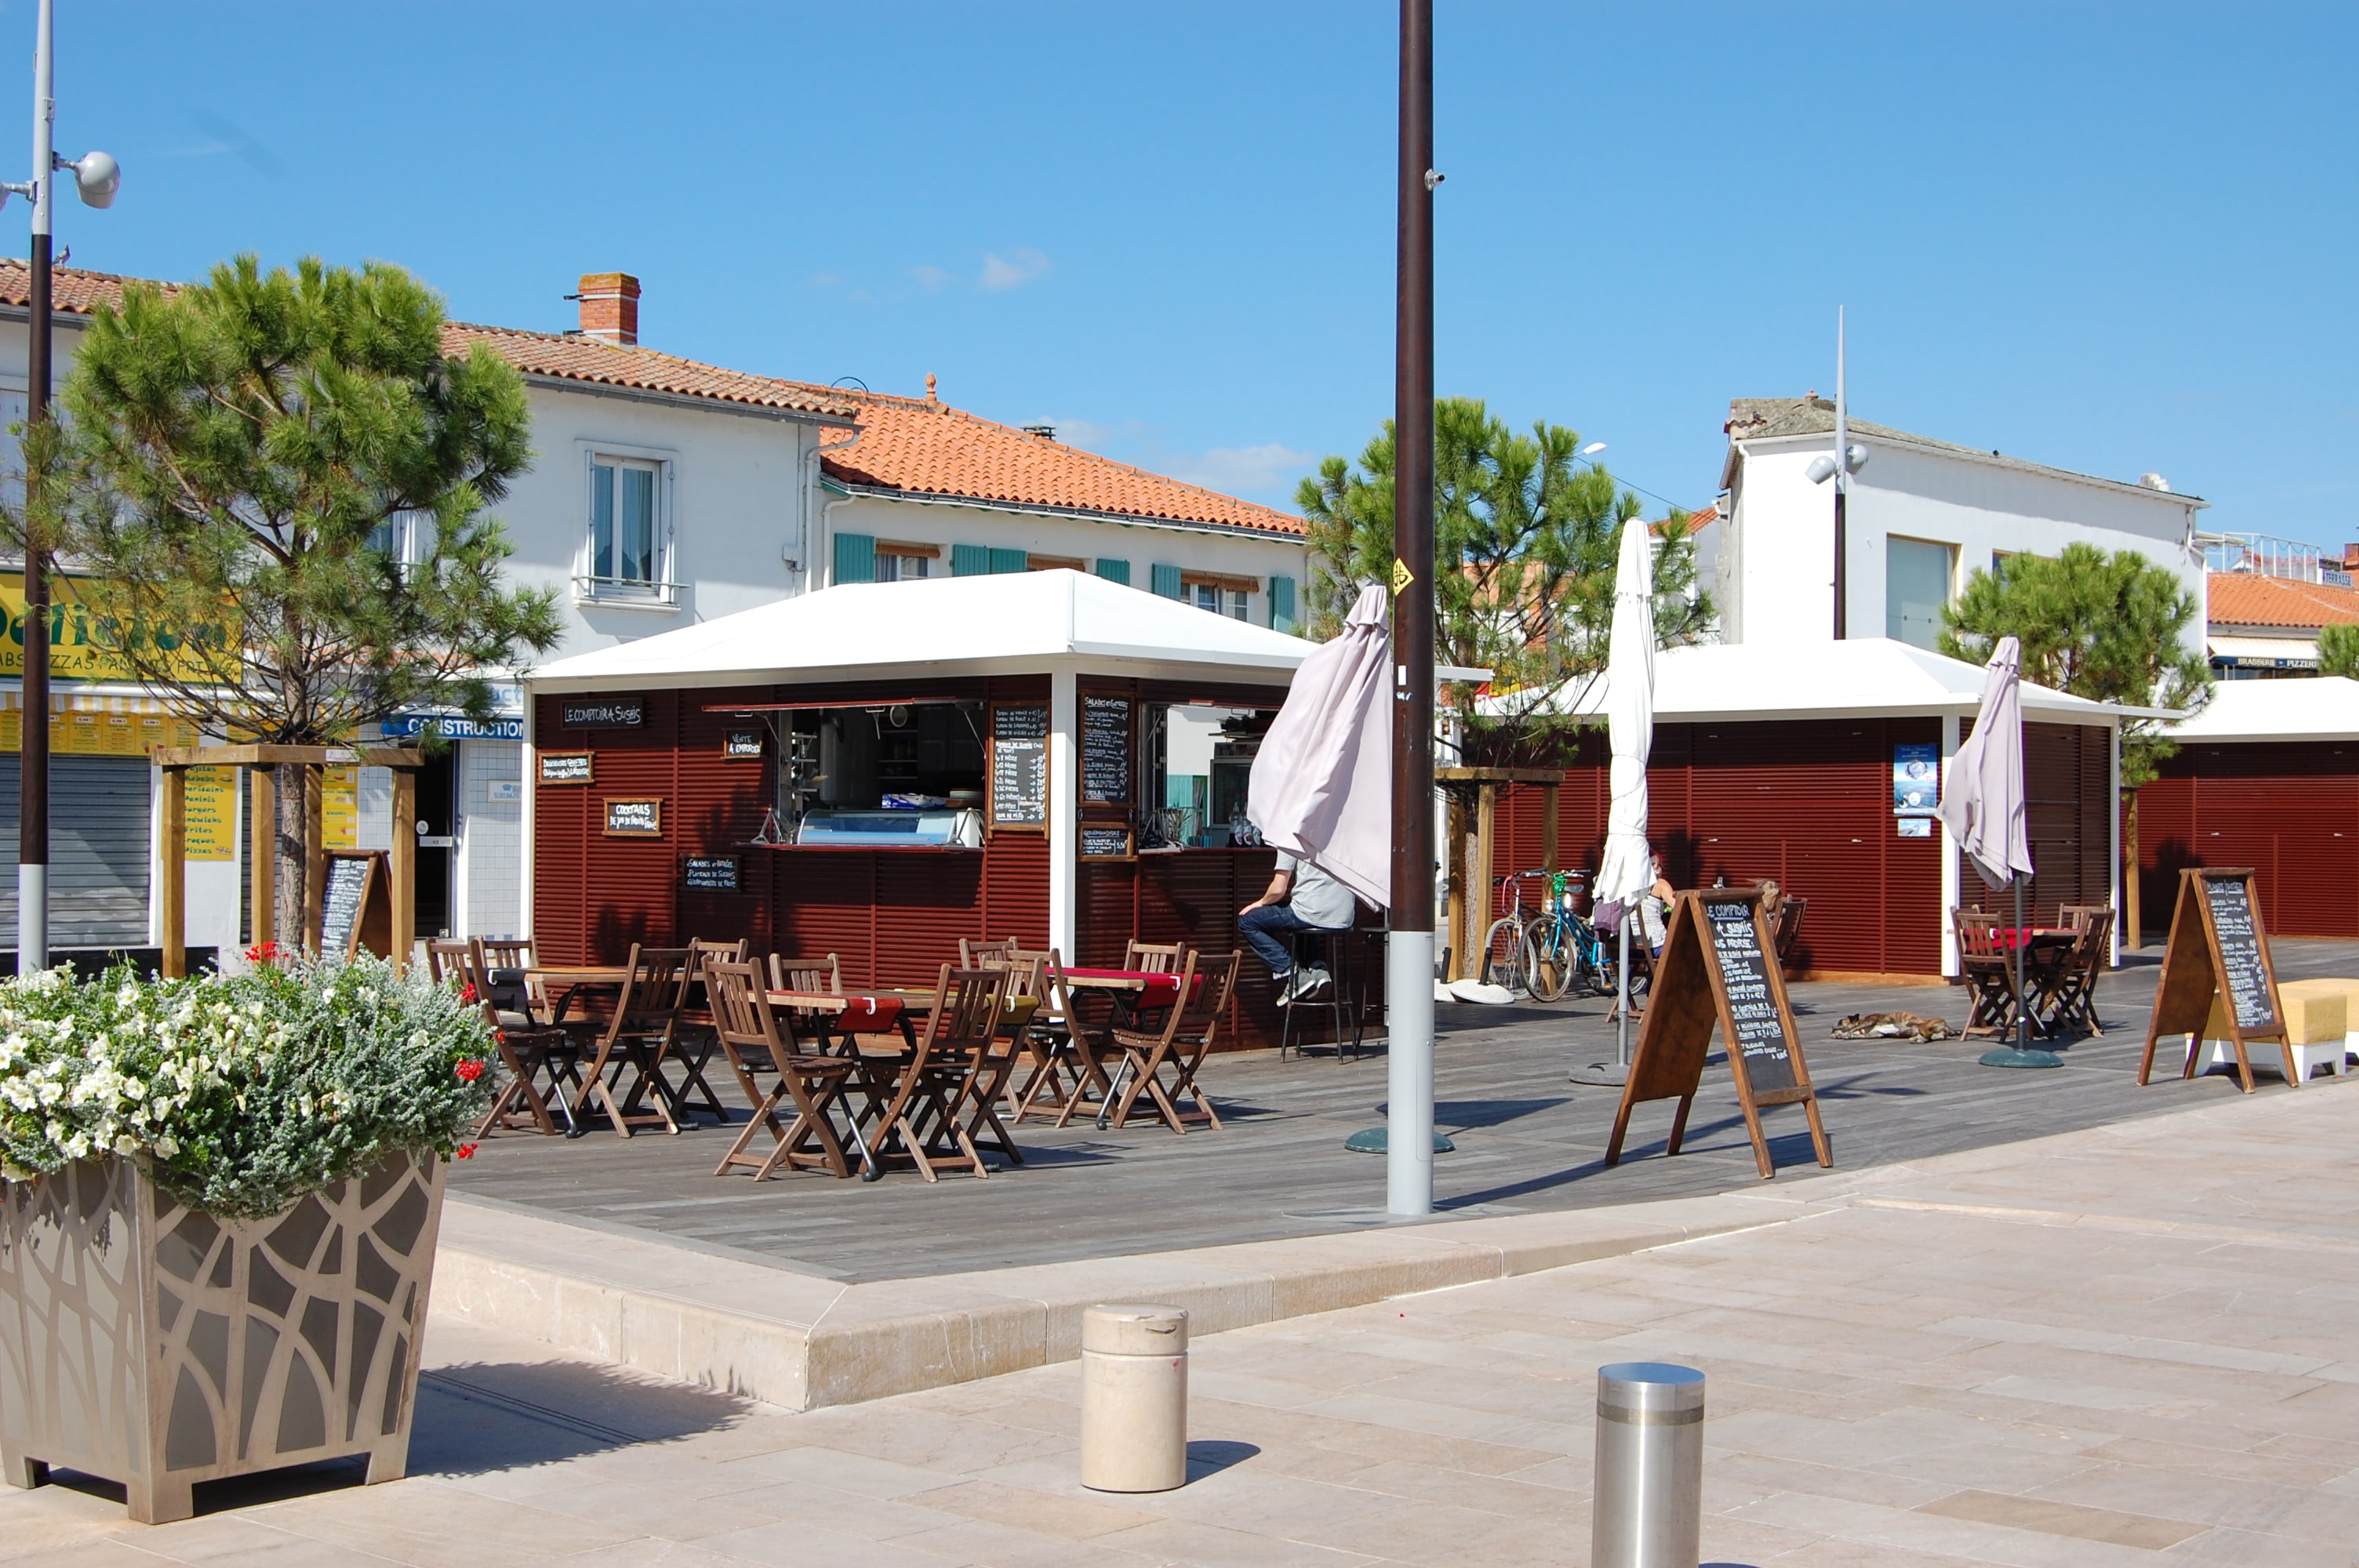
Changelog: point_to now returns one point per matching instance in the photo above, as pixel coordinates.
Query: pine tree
(242, 454)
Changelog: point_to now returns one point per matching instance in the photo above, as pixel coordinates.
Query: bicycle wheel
(1548, 960)
(1503, 954)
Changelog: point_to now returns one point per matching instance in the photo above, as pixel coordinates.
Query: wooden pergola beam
(262, 765)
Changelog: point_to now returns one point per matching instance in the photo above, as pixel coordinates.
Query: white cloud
(929, 278)
(825, 279)
(1017, 267)
(1265, 472)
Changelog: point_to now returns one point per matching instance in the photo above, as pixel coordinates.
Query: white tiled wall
(491, 853)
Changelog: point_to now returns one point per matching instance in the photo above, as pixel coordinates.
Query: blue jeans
(1266, 930)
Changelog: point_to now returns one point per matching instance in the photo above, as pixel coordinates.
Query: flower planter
(151, 1343)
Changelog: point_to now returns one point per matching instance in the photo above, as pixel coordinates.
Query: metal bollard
(1134, 1398)
(1648, 1498)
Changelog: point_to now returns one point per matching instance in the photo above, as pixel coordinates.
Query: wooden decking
(1527, 1139)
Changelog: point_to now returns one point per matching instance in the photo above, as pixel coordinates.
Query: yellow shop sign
(83, 643)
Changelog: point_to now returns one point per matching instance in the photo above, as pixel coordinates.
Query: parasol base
(2009, 1056)
(1604, 1075)
(1376, 1140)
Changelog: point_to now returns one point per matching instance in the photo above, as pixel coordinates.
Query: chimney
(609, 308)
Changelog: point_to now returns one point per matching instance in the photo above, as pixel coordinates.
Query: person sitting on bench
(1300, 897)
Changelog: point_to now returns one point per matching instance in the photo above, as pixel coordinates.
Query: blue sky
(2110, 237)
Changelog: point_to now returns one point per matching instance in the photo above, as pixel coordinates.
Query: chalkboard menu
(2218, 950)
(607, 713)
(2244, 972)
(635, 818)
(1108, 841)
(566, 767)
(1718, 973)
(1106, 768)
(1019, 766)
(1752, 1013)
(357, 906)
(709, 873)
(741, 745)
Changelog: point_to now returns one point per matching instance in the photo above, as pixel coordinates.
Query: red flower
(469, 1071)
(263, 952)
(467, 992)
(466, 1150)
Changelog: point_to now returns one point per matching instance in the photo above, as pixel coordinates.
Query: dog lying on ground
(1892, 1026)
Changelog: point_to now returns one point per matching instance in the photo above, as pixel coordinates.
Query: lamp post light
(1822, 469)
(97, 177)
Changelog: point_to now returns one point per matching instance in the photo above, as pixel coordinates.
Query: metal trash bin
(1649, 1495)
(1134, 1398)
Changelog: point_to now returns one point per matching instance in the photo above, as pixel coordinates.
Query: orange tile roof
(2239, 599)
(916, 445)
(924, 447)
(556, 355)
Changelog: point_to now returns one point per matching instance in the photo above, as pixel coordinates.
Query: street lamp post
(96, 178)
(1408, 949)
(1822, 469)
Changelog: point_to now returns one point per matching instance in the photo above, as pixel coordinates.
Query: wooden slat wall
(1811, 805)
(2288, 809)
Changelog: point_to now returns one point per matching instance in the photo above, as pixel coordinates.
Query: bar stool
(1333, 948)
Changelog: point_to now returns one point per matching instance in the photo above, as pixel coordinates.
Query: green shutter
(1113, 570)
(1281, 603)
(1165, 581)
(855, 557)
(1010, 561)
(969, 560)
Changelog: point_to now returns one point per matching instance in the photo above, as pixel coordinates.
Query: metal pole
(1408, 958)
(33, 749)
(1622, 972)
(1842, 490)
(2022, 1002)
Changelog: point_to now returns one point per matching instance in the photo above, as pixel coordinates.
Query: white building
(1923, 517)
(664, 493)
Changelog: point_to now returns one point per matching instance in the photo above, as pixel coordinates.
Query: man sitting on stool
(1300, 897)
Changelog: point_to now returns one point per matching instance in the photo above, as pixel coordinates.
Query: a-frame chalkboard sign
(1719, 970)
(357, 906)
(2217, 947)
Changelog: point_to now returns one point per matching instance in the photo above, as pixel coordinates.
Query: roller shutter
(99, 810)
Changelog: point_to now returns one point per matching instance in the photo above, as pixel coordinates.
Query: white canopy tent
(2318, 707)
(1066, 624)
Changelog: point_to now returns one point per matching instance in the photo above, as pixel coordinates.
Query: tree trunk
(290, 836)
(2133, 889)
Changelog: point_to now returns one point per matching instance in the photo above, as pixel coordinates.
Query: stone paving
(2116, 1345)
(1529, 1138)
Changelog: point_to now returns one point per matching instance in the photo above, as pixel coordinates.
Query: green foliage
(2110, 628)
(1532, 535)
(2338, 651)
(236, 446)
(240, 1096)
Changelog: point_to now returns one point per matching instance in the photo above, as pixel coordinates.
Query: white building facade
(1923, 515)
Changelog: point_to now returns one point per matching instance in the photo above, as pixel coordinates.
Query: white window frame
(662, 593)
(409, 526)
(900, 550)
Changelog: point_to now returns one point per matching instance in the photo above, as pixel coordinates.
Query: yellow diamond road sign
(1402, 576)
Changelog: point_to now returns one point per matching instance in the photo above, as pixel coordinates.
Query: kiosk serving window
(883, 774)
(1197, 760)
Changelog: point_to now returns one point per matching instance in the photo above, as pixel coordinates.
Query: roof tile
(2240, 598)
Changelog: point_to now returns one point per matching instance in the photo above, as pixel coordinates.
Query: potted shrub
(218, 1205)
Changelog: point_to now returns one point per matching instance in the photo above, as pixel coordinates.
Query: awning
(2264, 653)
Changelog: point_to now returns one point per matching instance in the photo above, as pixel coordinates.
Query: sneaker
(1301, 983)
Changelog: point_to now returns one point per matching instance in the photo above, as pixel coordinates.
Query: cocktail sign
(1719, 970)
(2218, 949)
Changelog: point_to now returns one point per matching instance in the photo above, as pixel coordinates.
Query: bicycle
(1543, 953)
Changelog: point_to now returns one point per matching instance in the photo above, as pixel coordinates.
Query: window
(627, 554)
(1917, 574)
(404, 537)
(904, 563)
(1220, 600)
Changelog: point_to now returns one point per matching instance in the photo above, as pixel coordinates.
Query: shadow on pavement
(476, 1417)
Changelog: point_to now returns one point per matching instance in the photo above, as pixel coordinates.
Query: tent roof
(2315, 708)
(1859, 678)
(1008, 623)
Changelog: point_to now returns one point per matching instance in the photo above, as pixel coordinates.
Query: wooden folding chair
(1054, 1073)
(446, 961)
(1989, 970)
(1789, 928)
(751, 1036)
(920, 1118)
(976, 955)
(2076, 988)
(1188, 1032)
(638, 1038)
(993, 1067)
(530, 1049)
(1154, 957)
(695, 1039)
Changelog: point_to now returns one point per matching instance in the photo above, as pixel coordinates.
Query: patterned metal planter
(150, 1344)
